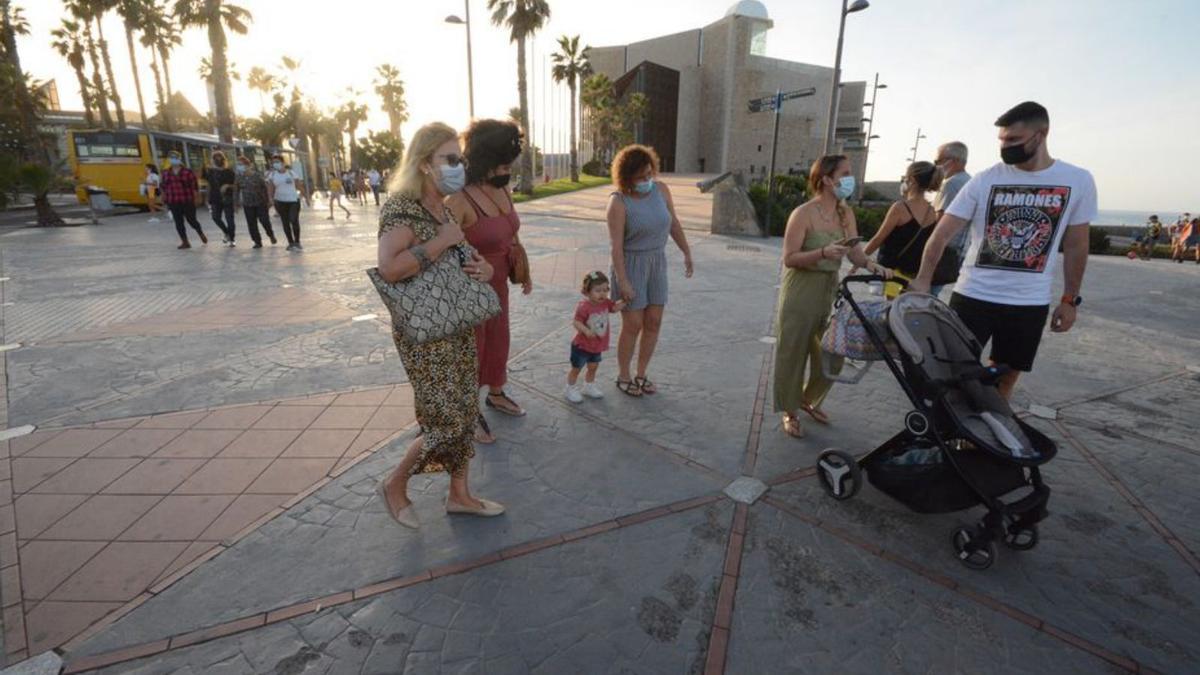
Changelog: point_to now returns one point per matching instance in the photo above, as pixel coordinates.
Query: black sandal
(487, 430)
(629, 388)
(488, 402)
(648, 388)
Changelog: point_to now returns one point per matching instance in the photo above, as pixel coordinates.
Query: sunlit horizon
(1115, 102)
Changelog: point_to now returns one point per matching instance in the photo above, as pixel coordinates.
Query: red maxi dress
(493, 237)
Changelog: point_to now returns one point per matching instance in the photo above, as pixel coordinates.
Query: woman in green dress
(820, 233)
(415, 229)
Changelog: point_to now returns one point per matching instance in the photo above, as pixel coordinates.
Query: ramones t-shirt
(1017, 219)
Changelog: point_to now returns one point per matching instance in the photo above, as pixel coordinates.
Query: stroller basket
(918, 475)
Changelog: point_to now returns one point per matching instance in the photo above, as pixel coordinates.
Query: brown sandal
(630, 388)
(486, 429)
(648, 388)
(791, 426)
(518, 412)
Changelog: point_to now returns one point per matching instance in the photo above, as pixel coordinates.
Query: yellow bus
(116, 160)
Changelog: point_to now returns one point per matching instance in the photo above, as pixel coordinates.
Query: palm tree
(131, 14)
(99, 9)
(206, 71)
(350, 115)
(68, 42)
(160, 36)
(262, 82)
(523, 18)
(12, 24)
(216, 16)
(571, 64)
(390, 88)
(83, 11)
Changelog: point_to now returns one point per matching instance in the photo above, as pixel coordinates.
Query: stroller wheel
(972, 551)
(839, 473)
(1022, 539)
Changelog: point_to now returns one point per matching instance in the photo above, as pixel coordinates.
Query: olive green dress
(805, 301)
(442, 372)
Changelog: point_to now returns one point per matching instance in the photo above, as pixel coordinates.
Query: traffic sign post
(775, 103)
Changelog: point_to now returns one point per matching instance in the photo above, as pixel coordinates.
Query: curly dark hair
(489, 144)
(629, 161)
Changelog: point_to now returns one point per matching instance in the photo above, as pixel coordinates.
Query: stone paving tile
(199, 443)
(289, 417)
(316, 442)
(120, 572)
(621, 607)
(101, 518)
(37, 512)
(73, 443)
(1099, 571)
(172, 421)
(46, 564)
(224, 476)
(23, 444)
(268, 443)
(240, 417)
(51, 622)
(243, 511)
(556, 479)
(29, 471)
(134, 443)
(178, 517)
(344, 417)
(808, 602)
(289, 475)
(155, 476)
(1166, 411)
(86, 476)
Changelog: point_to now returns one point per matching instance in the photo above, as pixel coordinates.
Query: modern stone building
(699, 84)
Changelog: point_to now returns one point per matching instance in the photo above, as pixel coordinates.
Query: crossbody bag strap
(915, 236)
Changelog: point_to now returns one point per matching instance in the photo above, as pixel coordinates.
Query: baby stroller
(961, 445)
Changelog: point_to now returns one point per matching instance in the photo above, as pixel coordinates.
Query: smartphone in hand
(849, 242)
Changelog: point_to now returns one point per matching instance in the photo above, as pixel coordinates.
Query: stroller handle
(868, 278)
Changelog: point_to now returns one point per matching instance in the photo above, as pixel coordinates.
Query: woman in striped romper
(641, 216)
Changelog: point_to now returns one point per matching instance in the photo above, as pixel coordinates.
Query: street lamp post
(470, 68)
(916, 144)
(834, 94)
(870, 126)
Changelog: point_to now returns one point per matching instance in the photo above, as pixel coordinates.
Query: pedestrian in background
(151, 184)
(180, 188)
(221, 184)
(283, 189)
(252, 190)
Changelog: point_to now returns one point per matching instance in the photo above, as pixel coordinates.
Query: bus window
(107, 147)
(196, 158)
(164, 146)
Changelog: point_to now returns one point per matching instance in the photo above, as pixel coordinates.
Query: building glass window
(758, 41)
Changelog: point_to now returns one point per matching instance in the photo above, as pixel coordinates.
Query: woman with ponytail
(820, 233)
(909, 222)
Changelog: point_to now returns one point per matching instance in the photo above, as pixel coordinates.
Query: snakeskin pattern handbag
(440, 301)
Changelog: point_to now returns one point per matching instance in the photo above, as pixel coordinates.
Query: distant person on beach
(1189, 237)
(1150, 237)
(1019, 211)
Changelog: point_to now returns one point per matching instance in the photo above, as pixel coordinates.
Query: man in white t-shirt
(373, 178)
(1018, 211)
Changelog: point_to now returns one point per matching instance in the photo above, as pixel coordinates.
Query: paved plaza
(199, 493)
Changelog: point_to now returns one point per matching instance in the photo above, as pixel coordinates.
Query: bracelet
(823, 251)
(422, 257)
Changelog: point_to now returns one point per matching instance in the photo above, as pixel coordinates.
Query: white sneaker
(590, 390)
(154, 220)
(573, 394)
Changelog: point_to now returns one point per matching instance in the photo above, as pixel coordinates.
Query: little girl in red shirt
(591, 335)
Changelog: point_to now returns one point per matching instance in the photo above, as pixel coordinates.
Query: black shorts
(1015, 330)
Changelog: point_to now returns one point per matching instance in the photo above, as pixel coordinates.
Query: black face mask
(1016, 154)
(499, 180)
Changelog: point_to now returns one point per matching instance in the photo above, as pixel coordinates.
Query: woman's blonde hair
(407, 178)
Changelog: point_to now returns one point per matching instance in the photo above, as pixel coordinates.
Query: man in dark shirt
(253, 190)
(221, 181)
(179, 187)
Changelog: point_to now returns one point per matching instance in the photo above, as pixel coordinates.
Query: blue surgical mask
(845, 187)
(175, 161)
(644, 186)
(278, 166)
(451, 179)
(240, 168)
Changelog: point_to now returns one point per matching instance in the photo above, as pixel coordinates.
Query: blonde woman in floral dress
(415, 229)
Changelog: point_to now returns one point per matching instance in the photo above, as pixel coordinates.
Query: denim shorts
(582, 357)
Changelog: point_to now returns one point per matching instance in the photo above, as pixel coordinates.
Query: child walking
(591, 336)
(336, 190)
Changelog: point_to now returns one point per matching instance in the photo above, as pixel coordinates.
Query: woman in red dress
(489, 219)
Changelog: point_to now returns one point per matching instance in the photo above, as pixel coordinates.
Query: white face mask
(451, 179)
(278, 166)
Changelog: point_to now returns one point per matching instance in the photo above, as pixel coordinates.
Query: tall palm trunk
(166, 70)
(574, 144)
(112, 81)
(220, 77)
(84, 93)
(526, 183)
(33, 141)
(158, 88)
(101, 96)
(137, 79)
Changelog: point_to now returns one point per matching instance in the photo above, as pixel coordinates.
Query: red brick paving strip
(292, 611)
(975, 596)
(750, 460)
(1144, 511)
(718, 637)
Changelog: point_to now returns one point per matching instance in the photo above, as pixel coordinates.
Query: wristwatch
(1072, 300)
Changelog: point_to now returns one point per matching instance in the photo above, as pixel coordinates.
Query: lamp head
(858, 6)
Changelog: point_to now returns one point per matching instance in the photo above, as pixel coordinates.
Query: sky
(1119, 78)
